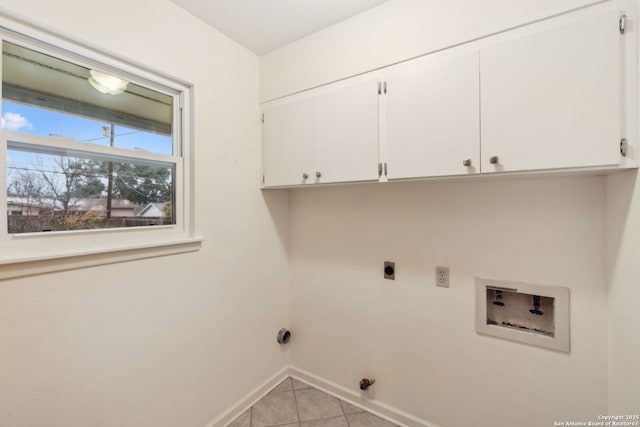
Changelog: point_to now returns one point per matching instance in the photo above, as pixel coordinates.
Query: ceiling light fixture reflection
(107, 84)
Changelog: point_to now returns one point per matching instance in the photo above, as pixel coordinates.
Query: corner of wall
(623, 276)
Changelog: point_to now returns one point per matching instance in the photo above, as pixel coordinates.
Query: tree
(91, 183)
(56, 184)
(50, 186)
(70, 178)
(25, 183)
(167, 215)
(142, 184)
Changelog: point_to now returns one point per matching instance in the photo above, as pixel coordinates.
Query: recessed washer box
(523, 312)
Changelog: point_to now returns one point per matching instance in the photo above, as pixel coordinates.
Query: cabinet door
(432, 116)
(287, 143)
(346, 133)
(553, 99)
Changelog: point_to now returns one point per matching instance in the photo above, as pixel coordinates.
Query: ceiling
(43, 81)
(265, 25)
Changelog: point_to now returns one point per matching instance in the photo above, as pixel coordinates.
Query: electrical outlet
(442, 277)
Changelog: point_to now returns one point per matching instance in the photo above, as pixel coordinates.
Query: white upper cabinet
(553, 99)
(288, 143)
(432, 116)
(324, 136)
(346, 133)
(556, 95)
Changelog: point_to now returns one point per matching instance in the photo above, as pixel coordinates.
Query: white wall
(419, 341)
(623, 250)
(416, 339)
(394, 31)
(169, 341)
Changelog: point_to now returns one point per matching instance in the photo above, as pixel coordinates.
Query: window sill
(49, 262)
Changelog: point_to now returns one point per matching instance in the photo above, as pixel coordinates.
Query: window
(91, 146)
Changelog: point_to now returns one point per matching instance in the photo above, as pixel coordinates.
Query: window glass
(47, 96)
(37, 121)
(53, 188)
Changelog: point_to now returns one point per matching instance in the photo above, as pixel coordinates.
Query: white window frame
(36, 253)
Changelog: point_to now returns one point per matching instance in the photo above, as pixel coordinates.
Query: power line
(107, 137)
(81, 173)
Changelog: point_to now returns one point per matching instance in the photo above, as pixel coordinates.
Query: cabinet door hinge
(622, 24)
(379, 169)
(623, 147)
(385, 168)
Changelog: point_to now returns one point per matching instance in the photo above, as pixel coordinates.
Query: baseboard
(250, 399)
(376, 407)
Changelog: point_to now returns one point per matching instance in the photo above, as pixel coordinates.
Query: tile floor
(296, 404)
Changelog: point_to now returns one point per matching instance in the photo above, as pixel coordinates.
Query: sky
(37, 121)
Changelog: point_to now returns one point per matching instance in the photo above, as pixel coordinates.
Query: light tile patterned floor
(296, 404)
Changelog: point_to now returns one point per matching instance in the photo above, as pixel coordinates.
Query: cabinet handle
(494, 160)
(318, 174)
(466, 162)
(305, 176)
